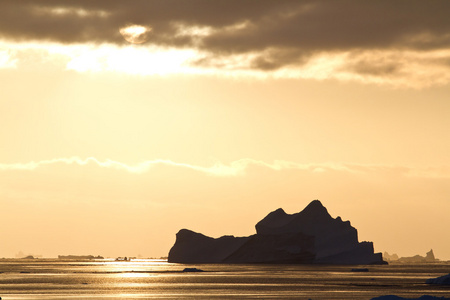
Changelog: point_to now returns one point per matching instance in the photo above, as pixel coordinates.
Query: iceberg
(443, 280)
(311, 236)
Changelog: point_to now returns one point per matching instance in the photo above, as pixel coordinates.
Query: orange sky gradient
(109, 147)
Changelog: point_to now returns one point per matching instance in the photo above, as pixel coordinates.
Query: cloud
(238, 167)
(283, 38)
(235, 25)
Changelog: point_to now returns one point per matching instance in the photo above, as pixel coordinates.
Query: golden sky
(125, 121)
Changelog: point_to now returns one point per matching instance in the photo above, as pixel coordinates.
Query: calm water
(157, 279)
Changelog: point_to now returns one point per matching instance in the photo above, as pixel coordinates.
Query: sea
(157, 279)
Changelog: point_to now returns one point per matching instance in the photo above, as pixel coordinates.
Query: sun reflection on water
(135, 269)
(135, 275)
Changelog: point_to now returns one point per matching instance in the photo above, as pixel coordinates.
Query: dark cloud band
(283, 31)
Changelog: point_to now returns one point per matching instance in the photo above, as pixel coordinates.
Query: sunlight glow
(136, 61)
(6, 61)
(135, 34)
(131, 60)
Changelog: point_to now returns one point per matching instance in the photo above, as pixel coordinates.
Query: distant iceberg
(428, 258)
(311, 236)
(443, 280)
(79, 257)
(424, 297)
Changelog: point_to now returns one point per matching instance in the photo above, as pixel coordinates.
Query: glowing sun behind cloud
(135, 34)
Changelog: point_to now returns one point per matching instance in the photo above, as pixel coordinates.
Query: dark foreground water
(157, 279)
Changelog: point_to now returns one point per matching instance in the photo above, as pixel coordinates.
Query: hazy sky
(125, 121)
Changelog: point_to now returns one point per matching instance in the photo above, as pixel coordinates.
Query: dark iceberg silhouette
(443, 280)
(311, 236)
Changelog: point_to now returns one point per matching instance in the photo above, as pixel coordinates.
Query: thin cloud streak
(236, 168)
